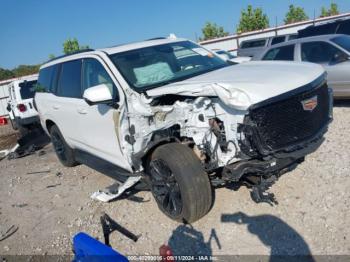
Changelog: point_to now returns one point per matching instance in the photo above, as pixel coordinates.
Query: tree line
(252, 19)
(69, 46)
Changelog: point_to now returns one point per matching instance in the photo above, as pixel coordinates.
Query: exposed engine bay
(205, 124)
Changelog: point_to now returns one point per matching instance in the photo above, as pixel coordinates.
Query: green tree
(295, 14)
(211, 31)
(72, 45)
(252, 19)
(333, 10)
(6, 74)
(23, 70)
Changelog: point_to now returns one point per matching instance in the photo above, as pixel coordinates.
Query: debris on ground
(38, 172)
(29, 143)
(112, 192)
(9, 232)
(20, 205)
(50, 186)
(109, 225)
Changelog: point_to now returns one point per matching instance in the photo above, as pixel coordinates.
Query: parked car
(330, 51)
(181, 118)
(254, 47)
(341, 26)
(227, 56)
(20, 106)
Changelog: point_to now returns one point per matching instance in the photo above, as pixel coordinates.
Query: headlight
(232, 97)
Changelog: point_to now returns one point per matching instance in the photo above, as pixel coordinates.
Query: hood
(249, 83)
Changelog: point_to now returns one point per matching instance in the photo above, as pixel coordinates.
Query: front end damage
(255, 145)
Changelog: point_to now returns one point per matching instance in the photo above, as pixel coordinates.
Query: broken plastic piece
(109, 196)
(5, 153)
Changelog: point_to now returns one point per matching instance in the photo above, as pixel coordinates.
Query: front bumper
(272, 164)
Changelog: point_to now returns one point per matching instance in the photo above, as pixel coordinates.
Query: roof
(273, 29)
(116, 49)
(307, 39)
(7, 81)
(137, 45)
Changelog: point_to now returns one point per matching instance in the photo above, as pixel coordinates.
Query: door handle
(82, 111)
(56, 107)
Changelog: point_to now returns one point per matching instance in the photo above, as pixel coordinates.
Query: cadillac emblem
(309, 104)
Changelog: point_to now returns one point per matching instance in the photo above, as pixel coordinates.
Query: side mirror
(99, 94)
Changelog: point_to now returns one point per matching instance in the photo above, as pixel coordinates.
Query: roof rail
(73, 53)
(156, 38)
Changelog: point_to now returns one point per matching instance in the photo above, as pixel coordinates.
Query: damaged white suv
(182, 119)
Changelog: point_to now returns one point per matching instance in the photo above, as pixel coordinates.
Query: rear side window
(69, 82)
(27, 89)
(284, 53)
(251, 44)
(277, 40)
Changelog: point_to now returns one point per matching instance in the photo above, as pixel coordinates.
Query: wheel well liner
(140, 158)
(49, 124)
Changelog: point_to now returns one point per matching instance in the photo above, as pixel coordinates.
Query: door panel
(99, 124)
(339, 78)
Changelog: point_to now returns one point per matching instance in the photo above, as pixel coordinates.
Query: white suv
(175, 114)
(20, 106)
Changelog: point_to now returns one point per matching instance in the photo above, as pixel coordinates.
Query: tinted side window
(292, 37)
(95, 74)
(277, 40)
(344, 28)
(69, 82)
(256, 43)
(285, 53)
(44, 80)
(318, 52)
(27, 89)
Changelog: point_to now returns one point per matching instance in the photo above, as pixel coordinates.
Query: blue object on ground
(89, 249)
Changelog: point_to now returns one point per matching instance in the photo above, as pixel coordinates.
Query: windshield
(342, 41)
(27, 89)
(159, 65)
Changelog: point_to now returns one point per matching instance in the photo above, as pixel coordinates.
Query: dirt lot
(312, 215)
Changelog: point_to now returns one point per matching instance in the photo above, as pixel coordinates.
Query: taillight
(21, 107)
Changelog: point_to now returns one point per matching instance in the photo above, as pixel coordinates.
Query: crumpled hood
(259, 81)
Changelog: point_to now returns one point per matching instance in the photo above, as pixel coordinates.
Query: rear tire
(179, 184)
(64, 153)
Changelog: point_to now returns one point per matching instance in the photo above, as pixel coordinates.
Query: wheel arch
(141, 158)
(49, 124)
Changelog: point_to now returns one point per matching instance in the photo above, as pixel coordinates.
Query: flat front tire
(64, 153)
(179, 184)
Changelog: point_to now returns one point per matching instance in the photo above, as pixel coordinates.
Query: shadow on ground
(341, 103)
(186, 240)
(285, 243)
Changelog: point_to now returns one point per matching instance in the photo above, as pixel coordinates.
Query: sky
(31, 30)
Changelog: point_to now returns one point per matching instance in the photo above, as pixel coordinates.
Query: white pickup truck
(179, 117)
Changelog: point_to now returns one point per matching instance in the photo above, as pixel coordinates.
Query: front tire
(64, 153)
(179, 184)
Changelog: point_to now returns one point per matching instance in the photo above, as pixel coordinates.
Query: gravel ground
(312, 215)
